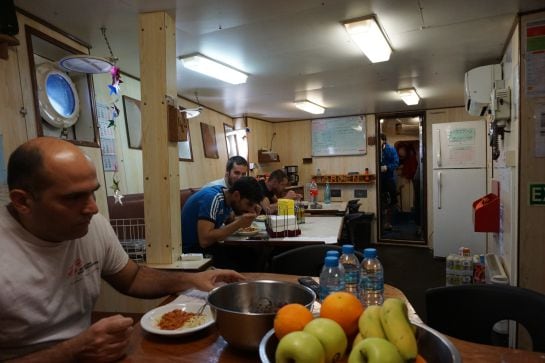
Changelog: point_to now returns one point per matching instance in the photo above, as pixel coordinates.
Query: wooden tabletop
(208, 346)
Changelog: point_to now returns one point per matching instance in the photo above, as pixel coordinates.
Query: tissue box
(286, 207)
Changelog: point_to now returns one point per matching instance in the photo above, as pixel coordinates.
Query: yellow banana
(398, 329)
(369, 323)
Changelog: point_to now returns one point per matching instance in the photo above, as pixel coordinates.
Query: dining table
(207, 345)
(315, 230)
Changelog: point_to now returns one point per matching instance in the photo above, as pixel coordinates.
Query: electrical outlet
(360, 193)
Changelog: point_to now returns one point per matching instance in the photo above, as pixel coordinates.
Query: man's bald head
(29, 166)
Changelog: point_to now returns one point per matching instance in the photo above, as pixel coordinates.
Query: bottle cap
(369, 253)
(331, 261)
(333, 253)
(348, 249)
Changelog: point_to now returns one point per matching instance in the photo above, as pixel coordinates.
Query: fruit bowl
(245, 311)
(432, 345)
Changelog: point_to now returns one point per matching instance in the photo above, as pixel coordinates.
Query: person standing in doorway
(389, 162)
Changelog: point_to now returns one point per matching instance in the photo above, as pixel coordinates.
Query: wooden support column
(159, 156)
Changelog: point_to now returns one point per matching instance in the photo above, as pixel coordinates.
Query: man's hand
(292, 195)
(106, 340)
(383, 168)
(209, 279)
(246, 219)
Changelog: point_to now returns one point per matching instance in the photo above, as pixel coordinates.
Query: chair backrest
(470, 311)
(306, 260)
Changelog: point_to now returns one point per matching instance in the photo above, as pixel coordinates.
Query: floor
(413, 270)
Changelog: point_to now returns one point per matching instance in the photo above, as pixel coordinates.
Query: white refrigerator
(459, 178)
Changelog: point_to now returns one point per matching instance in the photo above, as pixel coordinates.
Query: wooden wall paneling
(260, 138)
(12, 122)
(531, 268)
(202, 170)
(157, 40)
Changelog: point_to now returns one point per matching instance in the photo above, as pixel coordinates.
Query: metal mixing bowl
(432, 345)
(244, 311)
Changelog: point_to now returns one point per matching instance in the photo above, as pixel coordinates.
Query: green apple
(331, 335)
(357, 339)
(375, 350)
(299, 347)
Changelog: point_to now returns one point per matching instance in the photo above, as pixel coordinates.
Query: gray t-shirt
(49, 289)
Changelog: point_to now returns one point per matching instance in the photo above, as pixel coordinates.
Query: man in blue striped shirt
(206, 218)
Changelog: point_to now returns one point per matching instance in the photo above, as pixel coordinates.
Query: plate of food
(177, 319)
(248, 231)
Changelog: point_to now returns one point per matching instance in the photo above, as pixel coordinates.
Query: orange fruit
(291, 317)
(344, 308)
(420, 359)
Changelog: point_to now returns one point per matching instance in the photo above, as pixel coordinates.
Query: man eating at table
(55, 249)
(206, 220)
(274, 188)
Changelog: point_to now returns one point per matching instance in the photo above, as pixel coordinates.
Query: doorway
(401, 181)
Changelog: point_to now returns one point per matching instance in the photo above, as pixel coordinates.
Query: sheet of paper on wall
(539, 117)
(107, 137)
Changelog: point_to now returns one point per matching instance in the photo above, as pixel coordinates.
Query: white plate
(249, 233)
(261, 218)
(150, 320)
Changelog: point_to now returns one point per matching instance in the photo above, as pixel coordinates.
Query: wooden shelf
(5, 42)
(345, 179)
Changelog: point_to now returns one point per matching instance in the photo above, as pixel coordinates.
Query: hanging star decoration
(114, 87)
(118, 197)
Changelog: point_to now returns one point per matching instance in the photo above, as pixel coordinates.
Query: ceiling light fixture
(212, 68)
(409, 96)
(310, 107)
(368, 36)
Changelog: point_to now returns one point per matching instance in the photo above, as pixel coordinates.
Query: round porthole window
(57, 96)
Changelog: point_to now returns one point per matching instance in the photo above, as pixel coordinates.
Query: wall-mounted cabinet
(345, 179)
(265, 156)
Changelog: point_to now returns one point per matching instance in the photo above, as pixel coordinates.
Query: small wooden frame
(208, 133)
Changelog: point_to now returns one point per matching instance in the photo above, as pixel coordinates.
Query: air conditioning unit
(479, 83)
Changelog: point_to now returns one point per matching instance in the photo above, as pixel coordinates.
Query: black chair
(305, 261)
(469, 312)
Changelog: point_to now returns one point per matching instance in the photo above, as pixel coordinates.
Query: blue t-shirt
(209, 204)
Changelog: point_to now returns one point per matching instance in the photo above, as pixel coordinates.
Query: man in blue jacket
(389, 161)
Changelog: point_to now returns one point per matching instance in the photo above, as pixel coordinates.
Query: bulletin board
(339, 136)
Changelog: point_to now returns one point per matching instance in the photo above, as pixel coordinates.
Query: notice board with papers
(339, 136)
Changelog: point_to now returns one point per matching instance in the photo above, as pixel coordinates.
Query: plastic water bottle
(372, 279)
(331, 277)
(351, 266)
(337, 255)
(327, 193)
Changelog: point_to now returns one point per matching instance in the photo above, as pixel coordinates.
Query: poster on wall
(107, 137)
(535, 58)
(539, 117)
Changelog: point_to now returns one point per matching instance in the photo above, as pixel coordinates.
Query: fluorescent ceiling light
(367, 35)
(409, 96)
(309, 107)
(211, 68)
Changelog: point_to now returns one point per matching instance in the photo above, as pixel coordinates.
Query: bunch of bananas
(385, 334)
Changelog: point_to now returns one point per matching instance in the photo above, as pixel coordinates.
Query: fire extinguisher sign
(537, 194)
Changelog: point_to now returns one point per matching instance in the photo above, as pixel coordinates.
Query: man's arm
(209, 234)
(104, 341)
(145, 282)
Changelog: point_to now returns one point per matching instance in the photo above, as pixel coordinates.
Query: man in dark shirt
(274, 188)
